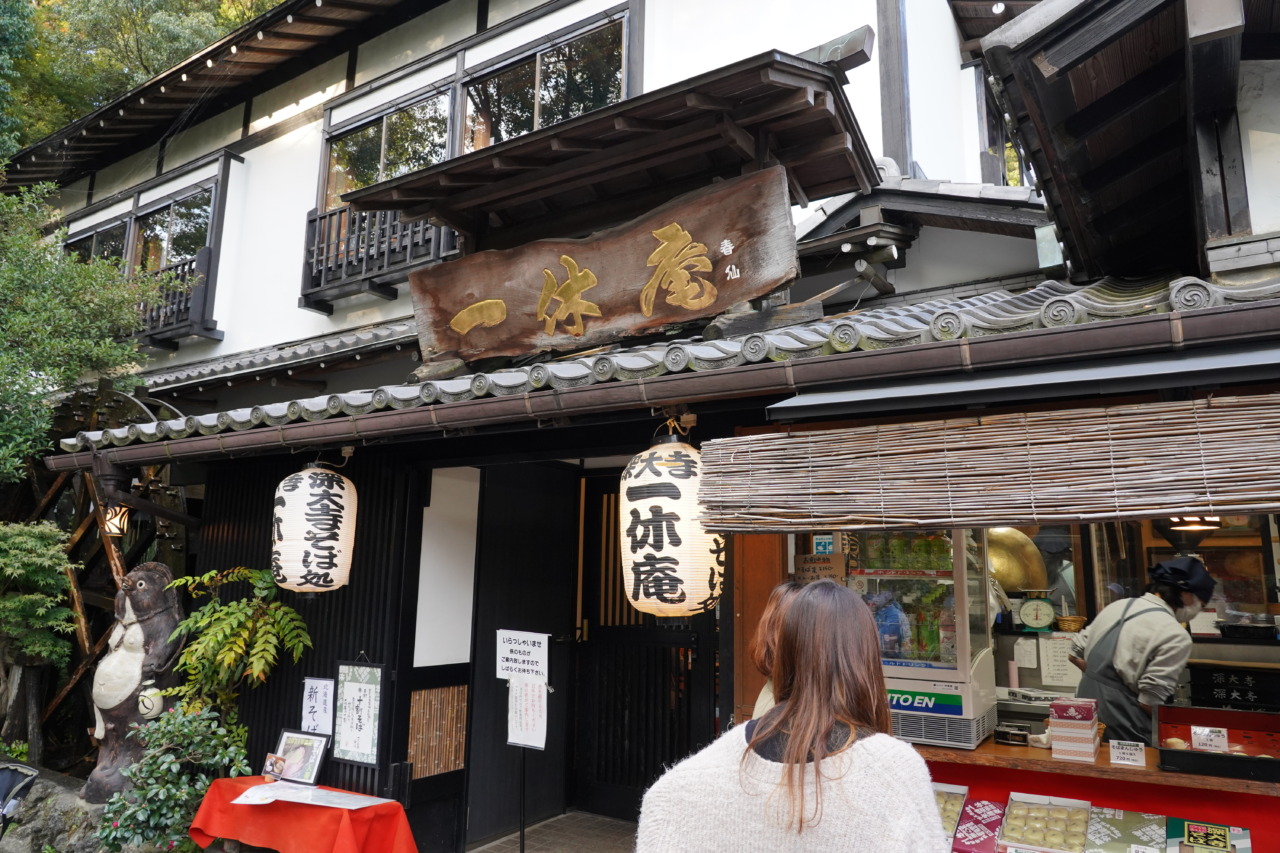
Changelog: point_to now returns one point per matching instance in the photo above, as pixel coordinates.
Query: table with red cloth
(299, 827)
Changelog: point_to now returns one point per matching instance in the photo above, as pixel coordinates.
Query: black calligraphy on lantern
(655, 577)
(715, 576)
(324, 516)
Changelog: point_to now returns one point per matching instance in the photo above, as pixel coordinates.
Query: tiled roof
(1049, 304)
(345, 343)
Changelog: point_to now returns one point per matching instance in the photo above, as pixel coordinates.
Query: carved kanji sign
(692, 257)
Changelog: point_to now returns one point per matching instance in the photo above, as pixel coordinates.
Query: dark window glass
(581, 76)
(416, 137)
(82, 248)
(109, 242)
(500, 107)
(188, 228)
(353, 162)
(153, 240)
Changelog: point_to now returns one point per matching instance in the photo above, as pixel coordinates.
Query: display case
(928, 592)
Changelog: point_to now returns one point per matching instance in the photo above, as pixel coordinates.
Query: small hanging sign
(359, 713)
(313, 530)
(317, 705)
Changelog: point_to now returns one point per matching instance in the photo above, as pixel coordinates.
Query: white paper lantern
(671, 566)
(313, 530)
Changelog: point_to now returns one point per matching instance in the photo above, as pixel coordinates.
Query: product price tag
(1128, 752)
(1209, 738)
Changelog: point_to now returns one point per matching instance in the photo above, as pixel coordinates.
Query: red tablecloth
(299, 827)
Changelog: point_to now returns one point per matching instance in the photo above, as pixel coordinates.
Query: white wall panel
(446, 580)
(209, 135)
(179, 184)
(126, 173)
(941, 105)
(115, 211)
(372, 100)
(299, 94)
(505, 10)
(1258, 106)
(422, 36)
(535, 30)
(683, 39)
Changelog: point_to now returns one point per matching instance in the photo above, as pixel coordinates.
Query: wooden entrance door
(646, 690)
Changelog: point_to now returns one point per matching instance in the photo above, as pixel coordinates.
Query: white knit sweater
(876, 798)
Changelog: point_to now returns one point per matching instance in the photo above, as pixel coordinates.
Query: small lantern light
(115, 519)
(313, 530)
(671, 566)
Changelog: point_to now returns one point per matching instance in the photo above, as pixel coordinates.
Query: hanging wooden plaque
(692, 257)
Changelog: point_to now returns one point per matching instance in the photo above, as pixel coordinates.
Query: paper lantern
(313, 530)
(115, 519)
(671, 566)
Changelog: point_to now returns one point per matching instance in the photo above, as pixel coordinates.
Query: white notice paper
(270, 792)
(523, 653)
(527, 712)
(1055, 668)
(317, 705)
(1024, 652)
(1128, 752)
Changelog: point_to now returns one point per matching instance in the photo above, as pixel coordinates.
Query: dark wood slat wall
(361, 617)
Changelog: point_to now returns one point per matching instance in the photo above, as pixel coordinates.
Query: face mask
(1186, 614)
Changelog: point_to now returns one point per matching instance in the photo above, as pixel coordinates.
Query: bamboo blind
(437, 730)
(1199, 457)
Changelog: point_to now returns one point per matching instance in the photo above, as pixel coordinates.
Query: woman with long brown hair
(820, 771)
(765, 641)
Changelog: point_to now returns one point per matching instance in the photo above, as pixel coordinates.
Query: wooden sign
(815, 567)
(692, 257)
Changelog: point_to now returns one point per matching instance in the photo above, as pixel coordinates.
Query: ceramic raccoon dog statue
(138, 663)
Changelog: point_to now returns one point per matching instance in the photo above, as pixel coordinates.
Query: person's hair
(826, 675)
(764, 642)
(1170, 594)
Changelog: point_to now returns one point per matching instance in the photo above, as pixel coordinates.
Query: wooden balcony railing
(350, 252)
(183, 311)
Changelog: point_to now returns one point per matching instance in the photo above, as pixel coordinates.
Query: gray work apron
(1118, 706)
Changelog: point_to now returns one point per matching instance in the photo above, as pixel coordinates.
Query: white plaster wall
(505, 10)
(209, 135)
(71, 198)
(684, 38)
(941, 95)
(422, 36)
(115, 211)
(126, 173)
(447, 568)
(179, 185)
(299, 94)
(941, 256)
(378, 97)
(1258, 106)
(535, 30)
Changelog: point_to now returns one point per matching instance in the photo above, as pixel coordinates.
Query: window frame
(628, 13)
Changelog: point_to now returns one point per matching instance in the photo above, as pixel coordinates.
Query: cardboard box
(978, 828)
(1120, 831)
(1182, 835)
(1071, 752)
(1073, 709)
(1040, 824)
(950, 800)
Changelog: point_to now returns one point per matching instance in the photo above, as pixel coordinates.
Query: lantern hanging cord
(673, 425)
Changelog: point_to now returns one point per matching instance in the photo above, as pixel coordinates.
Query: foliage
(18, 750)
(33, 583)
(81, 54)
(183, 752)
(60, 323)
(16, 31)
(235, 643)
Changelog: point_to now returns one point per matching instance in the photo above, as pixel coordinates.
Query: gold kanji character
(676, 260)
(569, 294)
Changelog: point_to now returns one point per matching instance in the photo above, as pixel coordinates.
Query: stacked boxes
(1073, 727)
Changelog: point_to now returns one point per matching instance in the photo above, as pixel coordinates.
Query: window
(555, 85)
(105, 243)
(172, 234)
(404, 141)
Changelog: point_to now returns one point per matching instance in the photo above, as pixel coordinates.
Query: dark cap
(1185, 573)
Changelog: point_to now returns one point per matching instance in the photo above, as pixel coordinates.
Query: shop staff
(1135, 650)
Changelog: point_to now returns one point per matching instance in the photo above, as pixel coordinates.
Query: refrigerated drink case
(927, 592)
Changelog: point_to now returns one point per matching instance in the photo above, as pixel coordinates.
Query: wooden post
(108, 544)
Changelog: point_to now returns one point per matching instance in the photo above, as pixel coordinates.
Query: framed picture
(358, 712)
(303, 753)
(273, 767)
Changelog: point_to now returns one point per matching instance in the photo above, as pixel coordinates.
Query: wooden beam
(699, 101)
(1091, 34)
(815, 148)
(77, 675)
(1170, 139)
(50, 495)
(868, 273)
(1126, 99)
(773, 107)
(108, 544)
(1214, 29)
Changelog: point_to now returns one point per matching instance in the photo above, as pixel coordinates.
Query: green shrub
(183, 752)
(33, 587)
